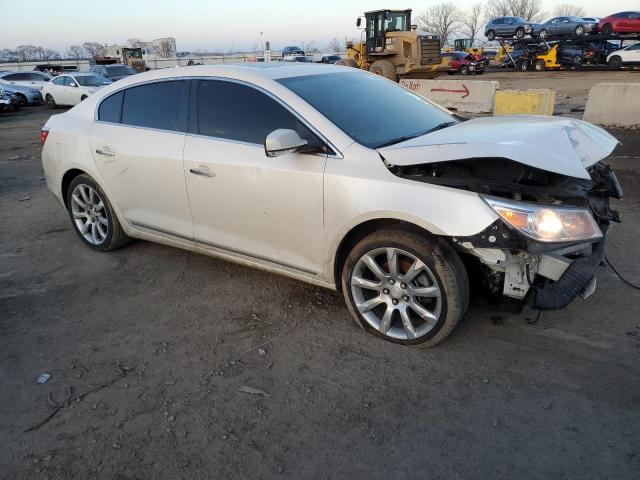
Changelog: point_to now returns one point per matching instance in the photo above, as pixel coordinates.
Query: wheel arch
(67, 178)
(362, 230)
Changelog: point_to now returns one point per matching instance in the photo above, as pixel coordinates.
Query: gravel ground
(148, 348)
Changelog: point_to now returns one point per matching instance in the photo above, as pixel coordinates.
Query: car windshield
(92, 80)
(519, 20)
(370, 109)
(576, 19)
(117, 70)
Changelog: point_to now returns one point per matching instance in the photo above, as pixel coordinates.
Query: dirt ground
(150, 345)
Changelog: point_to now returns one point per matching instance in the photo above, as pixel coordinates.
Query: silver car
(295, 169)
(564, 26)
(25, 95)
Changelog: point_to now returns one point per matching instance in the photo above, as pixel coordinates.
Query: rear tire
(615, 61)
(385, 69)
(523, 65)
(580, 30)
(519, 32)
(439, 274)
(543, 34)
(607, 29)
(491, 35)
(539, 66)
(51, 103)
(347, 62)
(464, 70)
(92, 215)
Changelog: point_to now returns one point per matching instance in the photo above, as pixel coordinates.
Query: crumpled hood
(556, 144)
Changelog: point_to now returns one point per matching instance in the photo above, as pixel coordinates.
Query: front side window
(395, 114)
(58, 81)
(161, 105)
(92, 80)
(68, 82)
(238, 112)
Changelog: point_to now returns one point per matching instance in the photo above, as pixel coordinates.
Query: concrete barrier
(614, 105)
(471, 96)
(525, 102)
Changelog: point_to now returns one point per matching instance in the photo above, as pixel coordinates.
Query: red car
(623, 22)
(464, 63)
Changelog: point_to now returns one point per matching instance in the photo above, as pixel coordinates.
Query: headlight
(547, 223)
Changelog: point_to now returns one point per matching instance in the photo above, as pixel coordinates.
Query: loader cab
(379, 22)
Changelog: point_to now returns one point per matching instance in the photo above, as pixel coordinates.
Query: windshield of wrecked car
(370, 109)
(92, 80)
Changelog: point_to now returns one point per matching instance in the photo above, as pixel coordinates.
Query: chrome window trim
(337, 155)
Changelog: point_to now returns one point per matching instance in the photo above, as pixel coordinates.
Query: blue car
(564, 26)
(24, 95)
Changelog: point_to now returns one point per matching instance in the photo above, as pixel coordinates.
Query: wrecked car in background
(343, 179)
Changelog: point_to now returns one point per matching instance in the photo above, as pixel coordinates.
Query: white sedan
(343, 179)
(627, 56)
(72, 88)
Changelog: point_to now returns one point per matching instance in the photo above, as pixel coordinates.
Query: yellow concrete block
(525, 102)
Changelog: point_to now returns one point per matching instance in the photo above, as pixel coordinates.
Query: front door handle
(104, 151)
(203, 172)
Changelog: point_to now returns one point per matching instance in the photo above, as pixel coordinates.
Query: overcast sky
(209, 24)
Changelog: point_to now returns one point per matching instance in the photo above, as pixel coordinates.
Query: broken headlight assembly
(546, 223)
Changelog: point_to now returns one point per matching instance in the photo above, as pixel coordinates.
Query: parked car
(509, 27)
(25, 95)
(114, 71)
(564, 26)
(627, 56)
(288, 51)
(330, 58)
(27, 79)
(266, 167)
(623, 22)
(72, 88)
(464, 63)
(577, 54)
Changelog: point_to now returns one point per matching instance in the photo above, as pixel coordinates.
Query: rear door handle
(203, 172)
(104, 151)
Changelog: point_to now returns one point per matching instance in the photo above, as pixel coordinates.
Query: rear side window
(111, 108)
(161, 105)
(237, 112)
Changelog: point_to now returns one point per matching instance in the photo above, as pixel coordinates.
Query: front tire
(519, 32)
(491, 35)
(92, 215)
(22, 100)
(405, 287)
(464, 70)
(543, 34)
(385, 69)
(580, 30)
(539, 66)
(51, 103)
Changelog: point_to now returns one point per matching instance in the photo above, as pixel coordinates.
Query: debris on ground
(44, 378)
(252, 390)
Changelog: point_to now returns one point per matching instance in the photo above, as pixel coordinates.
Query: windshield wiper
(440, 126)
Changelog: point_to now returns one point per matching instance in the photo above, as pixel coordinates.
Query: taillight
(44, 133)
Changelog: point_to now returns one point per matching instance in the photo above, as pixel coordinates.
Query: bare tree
(530, 10)
(568, 10)
(164, 48)
(335, 45)
(94, 49)
(472, 21)
(75, 51)
(135, 43)
(310, 47)
(443, 19)
(49, 54)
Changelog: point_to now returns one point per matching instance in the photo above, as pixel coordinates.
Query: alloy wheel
(396, 293)
(89, 214)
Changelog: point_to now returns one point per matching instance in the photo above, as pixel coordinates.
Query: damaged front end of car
(548, 241)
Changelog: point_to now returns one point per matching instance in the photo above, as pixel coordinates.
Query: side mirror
(358, 22)
(283, 141)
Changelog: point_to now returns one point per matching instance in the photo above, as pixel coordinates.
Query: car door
(552, 26)
(632, 54)
(269, 208)
(137, 143)
(55, 89)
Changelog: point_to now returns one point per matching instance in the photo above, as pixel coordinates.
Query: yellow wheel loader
(394, 49)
